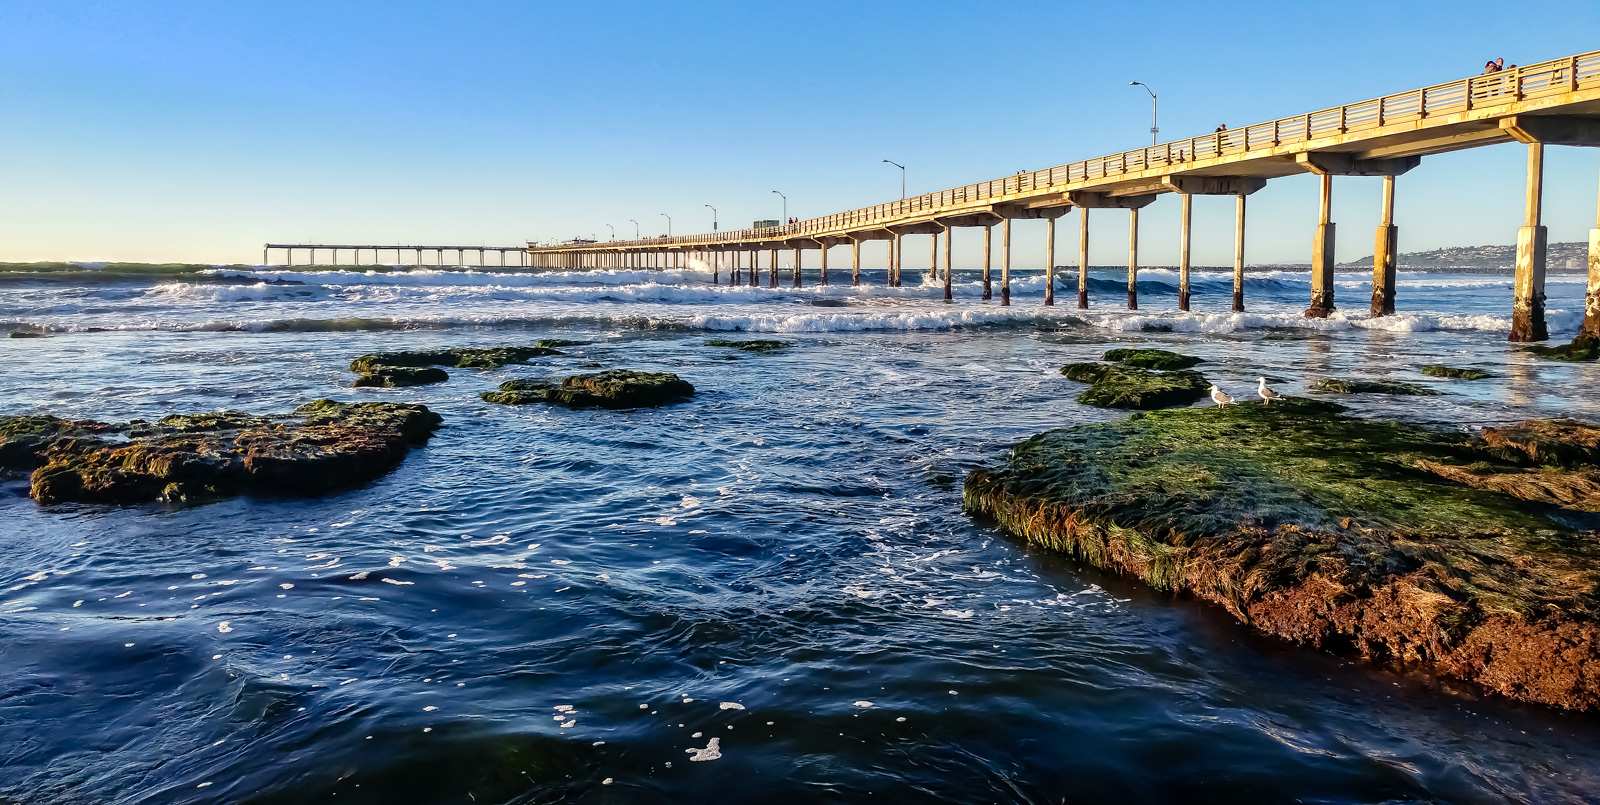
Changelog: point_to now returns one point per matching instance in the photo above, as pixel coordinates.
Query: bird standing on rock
(1267, 394)
(1219, 396)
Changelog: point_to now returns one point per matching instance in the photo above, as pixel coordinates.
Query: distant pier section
(1555, 102)
(507, 255)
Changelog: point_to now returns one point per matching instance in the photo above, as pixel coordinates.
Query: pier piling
(988, 240)
(1238, 253)
(1083, 258)
(1322, 259)
(1185, 215)
(1005, 262)
(1527, 304)
(1384, 248)
(1133, 258)
(1049, 262)
(1591, 295)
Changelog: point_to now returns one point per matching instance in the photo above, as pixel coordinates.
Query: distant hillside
(1558, 257)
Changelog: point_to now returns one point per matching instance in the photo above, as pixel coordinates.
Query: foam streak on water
(768, 588)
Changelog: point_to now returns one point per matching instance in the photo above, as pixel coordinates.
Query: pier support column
(798, 261)
(1527, 304)
(949, 292)
(988, 238)
(1238, 253)
(1591, 295)
(822, 275)
(1005, 262)
(1322, 254)
(772, 269)
(1133, 258)
(1083, 258)
(716, 267)
(855, 262)
(1384, 248)
(933, 258)
(1049, 262)
(894, 261)
(1185, 216)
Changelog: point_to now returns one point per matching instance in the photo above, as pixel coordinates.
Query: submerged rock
(25, 334)
(1350, 385)
(1397, 543)
(1117, 386)
(397, 376)
(615, 388)
(460, 357)
(321, 446)
(1582, 348)
(750, 345)
(1151, 358)
(1454, 373)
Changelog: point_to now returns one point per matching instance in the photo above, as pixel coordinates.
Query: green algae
(459, 357)
(1118, 386)
(750, 345)
(1330, 530)
(188, 458)
(1350, 385)
(1151, 359)
(615, 388)
(399, 376)
(1582, 348)
(1454, 372)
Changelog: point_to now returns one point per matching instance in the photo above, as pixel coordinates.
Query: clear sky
(168, 131)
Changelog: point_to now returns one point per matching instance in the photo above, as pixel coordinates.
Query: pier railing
(1513, 84)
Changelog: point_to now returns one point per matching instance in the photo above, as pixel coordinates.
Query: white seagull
(1219, 396)
(1267, 394)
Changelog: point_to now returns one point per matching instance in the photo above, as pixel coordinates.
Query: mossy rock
(1582, 348)
(398, 376)
(459, 357)
(1546, 442)
(615, 388)
(1117, 386)
(1454, 372)
(750, 345)
(1394, 542)
(25, 334)
(1351, 385)
(1151, 359)
(189, 458)
(558, 343)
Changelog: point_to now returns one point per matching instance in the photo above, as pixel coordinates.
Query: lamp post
(902, 177)
(713, 217)
(613, 231)
(1154, 129)
(669, 223)
(635, 228)
(785, 207)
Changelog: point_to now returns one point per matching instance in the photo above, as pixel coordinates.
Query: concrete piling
(1005, 262)
(988, 239)
(1238, 253)
(1527, 304)
(1384, 248)
(1322, 259)
(1049, 262)
(1185, 216)
(1083, 258)
(1133, 258)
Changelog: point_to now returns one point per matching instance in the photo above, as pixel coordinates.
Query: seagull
(1219, 396)
(1267, 394)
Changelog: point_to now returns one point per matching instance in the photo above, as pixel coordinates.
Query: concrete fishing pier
(509, 255)
(1554, 102)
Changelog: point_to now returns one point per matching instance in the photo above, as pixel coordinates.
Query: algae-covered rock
(398, 376)
(1151, 359)
(25, 334)
(1354, 535)
(558, 343)
(1350, 385)
(460, 357)
(615, 388)
(750, 345)
(1546, 442)
(1454, 372)
(321, 446)
(1582, 348)
(1118, 386)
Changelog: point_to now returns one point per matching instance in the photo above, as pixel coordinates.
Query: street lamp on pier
(613, 231)
(785, 206)
(902, 177)
(635, 228)
(713, 217)
(1154, 129)
(669, 223)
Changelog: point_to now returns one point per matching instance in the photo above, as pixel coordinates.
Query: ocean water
(766, 593)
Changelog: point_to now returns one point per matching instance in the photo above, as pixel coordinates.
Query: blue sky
(197, 131)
